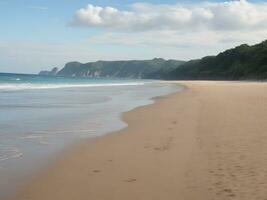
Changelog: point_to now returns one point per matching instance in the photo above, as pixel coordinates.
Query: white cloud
(179, 45)
(98, 16)
(228, 15)
(180, 31)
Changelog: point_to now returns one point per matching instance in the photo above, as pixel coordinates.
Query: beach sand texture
(208, 142)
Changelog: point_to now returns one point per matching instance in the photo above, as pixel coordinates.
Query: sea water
(40, 115)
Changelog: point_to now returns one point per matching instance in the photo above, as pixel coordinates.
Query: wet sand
(208, 142)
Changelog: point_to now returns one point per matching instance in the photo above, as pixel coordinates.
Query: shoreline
(193, 144)
(99, 123)
(52, 160)
(71, 148)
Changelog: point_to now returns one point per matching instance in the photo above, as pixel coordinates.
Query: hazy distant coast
(243, 62)
(134, 69)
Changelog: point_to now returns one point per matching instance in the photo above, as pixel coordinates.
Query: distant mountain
(53, 72)
(156, 68)
(239, 63)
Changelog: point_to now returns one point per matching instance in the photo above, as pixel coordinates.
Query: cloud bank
(227, 16)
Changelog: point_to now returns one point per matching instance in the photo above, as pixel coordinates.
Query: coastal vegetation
(242, 62)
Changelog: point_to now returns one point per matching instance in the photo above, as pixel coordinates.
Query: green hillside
(242, 62)
(156, 68)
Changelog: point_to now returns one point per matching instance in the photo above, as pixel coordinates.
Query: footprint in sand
(130, 180)
(163, 148)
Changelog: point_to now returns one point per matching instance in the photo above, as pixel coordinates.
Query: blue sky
(41, 34)
(34, 19)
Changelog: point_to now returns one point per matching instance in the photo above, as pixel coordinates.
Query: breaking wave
(30, 86)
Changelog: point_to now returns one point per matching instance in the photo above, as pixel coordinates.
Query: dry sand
(208, 142)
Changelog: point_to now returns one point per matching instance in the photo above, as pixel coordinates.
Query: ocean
(41, 115)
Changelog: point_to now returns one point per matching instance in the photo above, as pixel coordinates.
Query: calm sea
(40, 115)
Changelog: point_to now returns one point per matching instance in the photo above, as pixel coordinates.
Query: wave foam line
(29, 86)
(10, 153)
(62, 131)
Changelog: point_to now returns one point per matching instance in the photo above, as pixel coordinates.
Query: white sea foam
(30, 86)
(41, 139)
(64, 131)
(10, 153)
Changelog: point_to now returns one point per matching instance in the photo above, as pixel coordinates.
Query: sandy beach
(207, 142)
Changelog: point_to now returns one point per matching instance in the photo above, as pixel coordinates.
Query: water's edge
(57, 156)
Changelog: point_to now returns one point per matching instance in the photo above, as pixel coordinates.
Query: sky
(41, 34)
